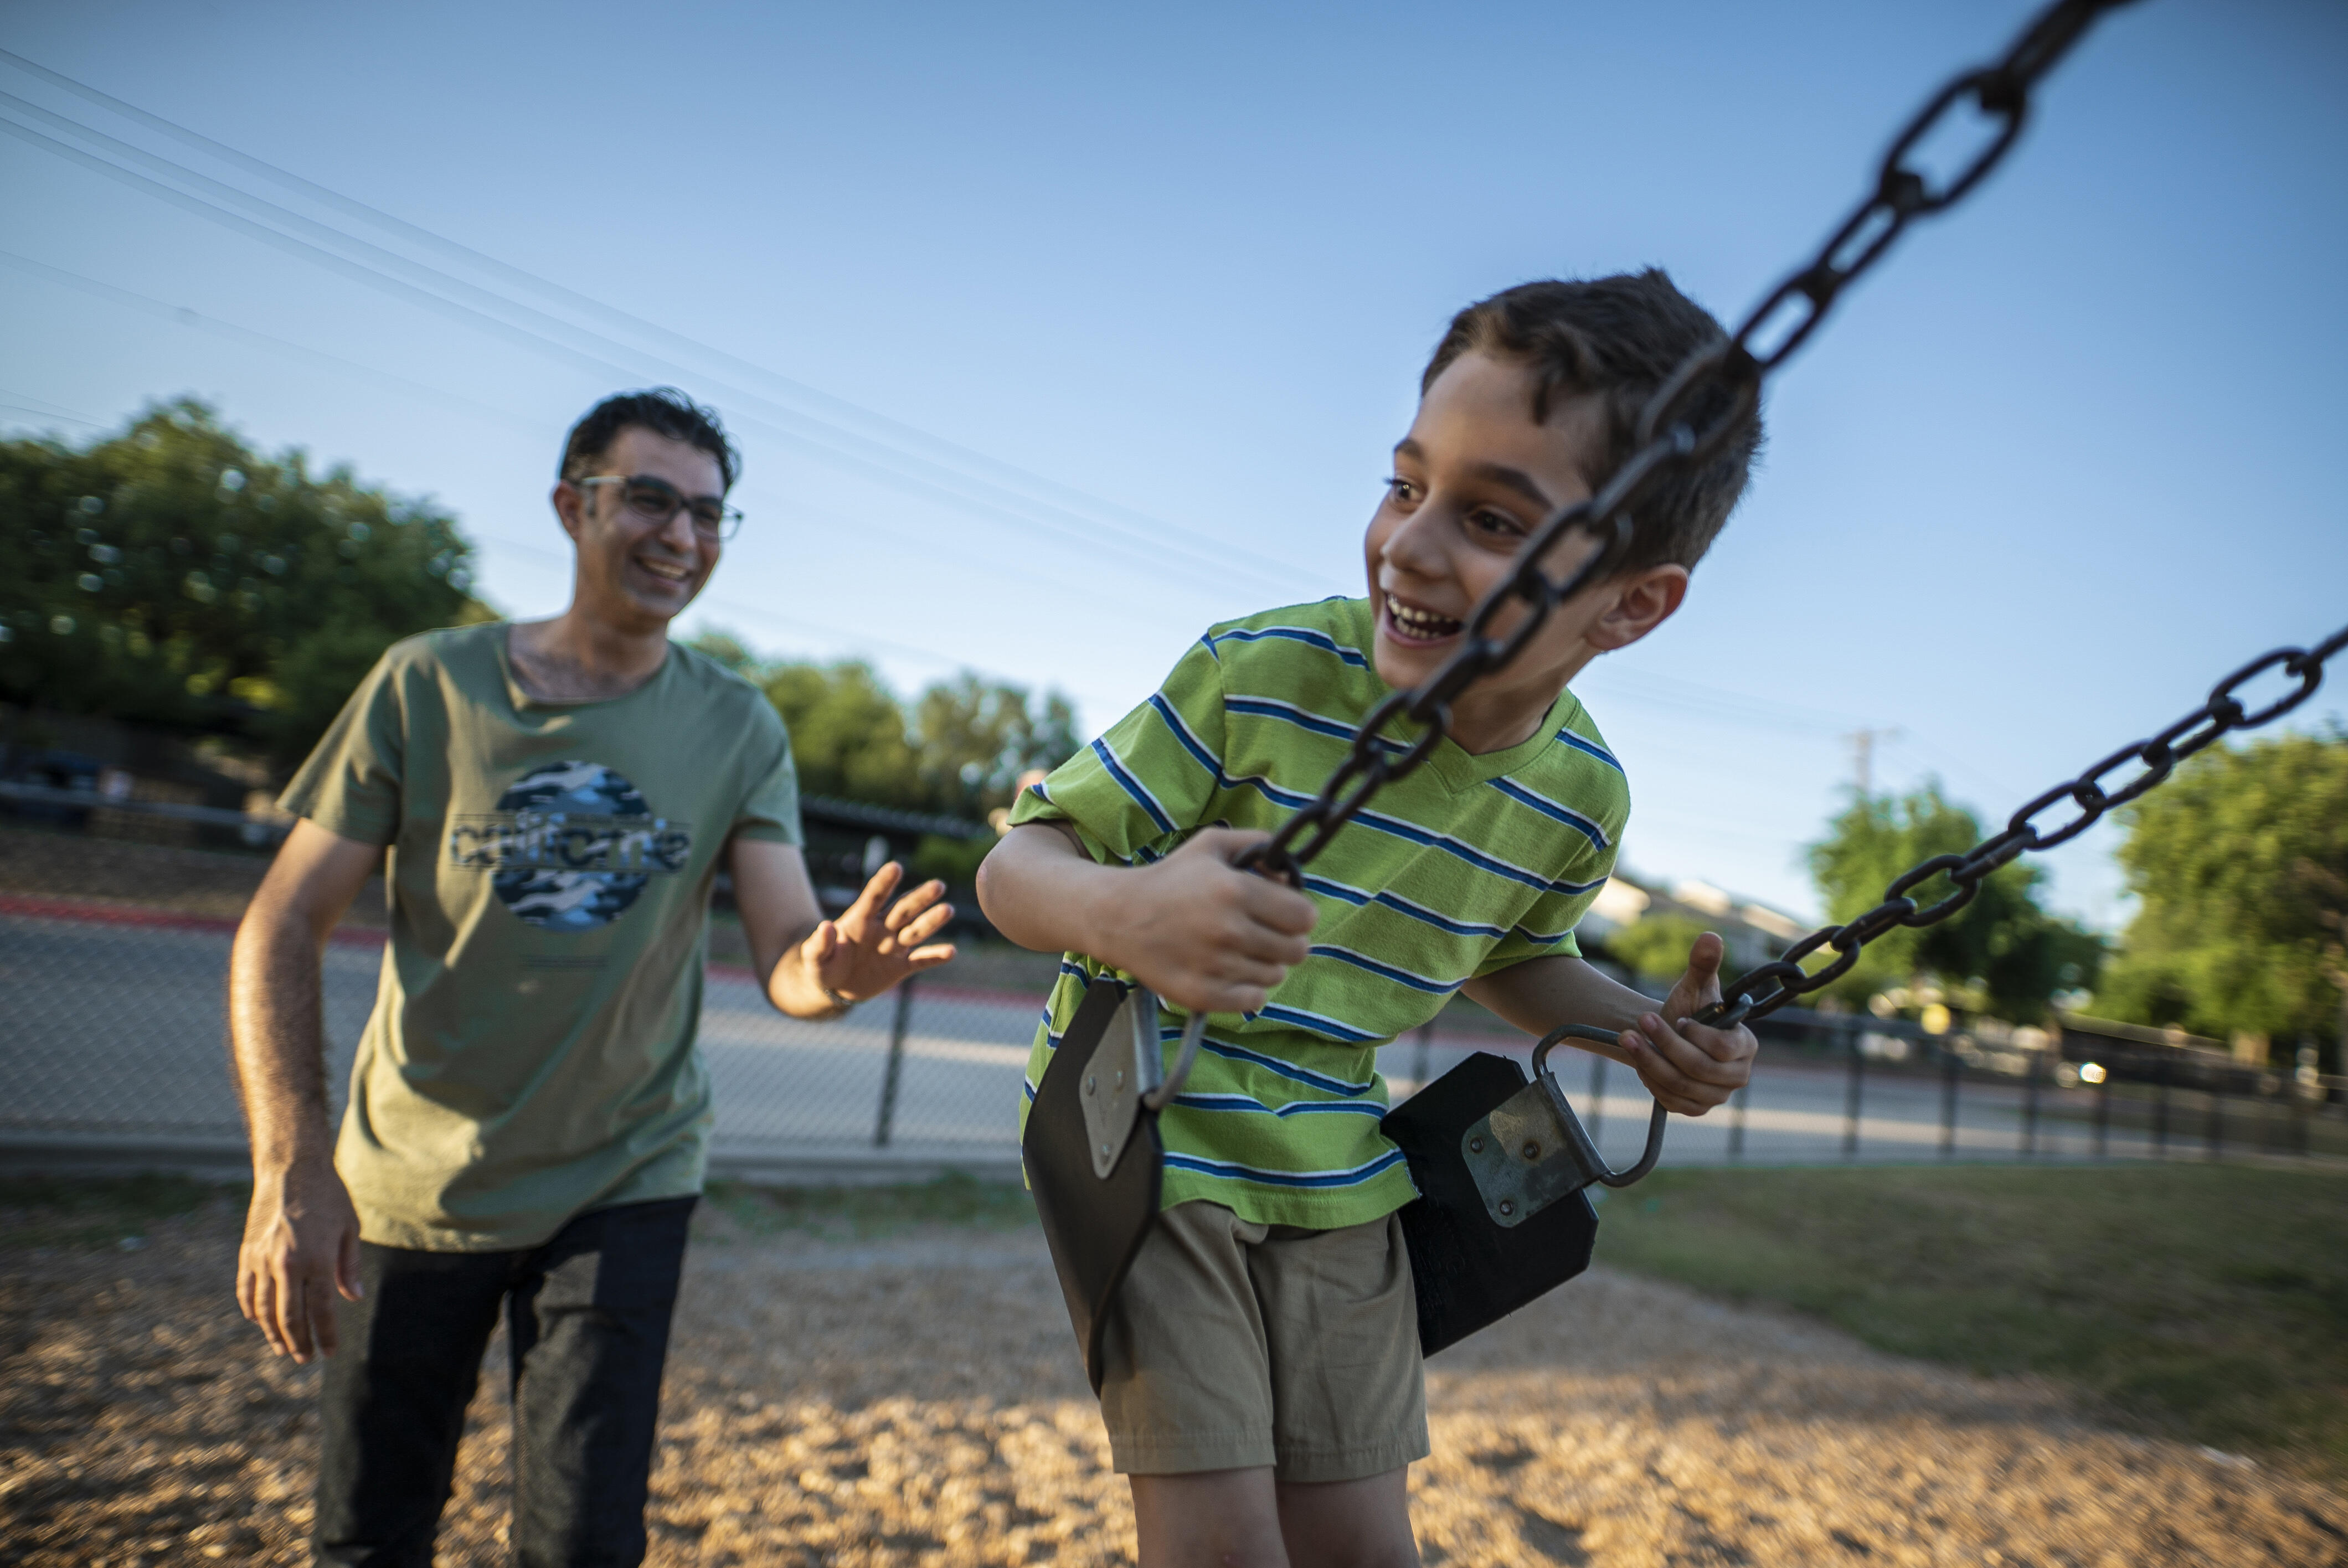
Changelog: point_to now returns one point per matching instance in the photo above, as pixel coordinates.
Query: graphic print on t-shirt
(570, 846)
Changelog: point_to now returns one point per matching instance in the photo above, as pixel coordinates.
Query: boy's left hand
(1687, 1067)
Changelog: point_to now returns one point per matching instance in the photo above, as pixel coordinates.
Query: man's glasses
(656, 501)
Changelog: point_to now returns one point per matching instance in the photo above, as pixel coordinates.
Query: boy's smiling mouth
(1412, 624)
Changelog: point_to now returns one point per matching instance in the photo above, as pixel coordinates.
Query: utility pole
(1862, 750)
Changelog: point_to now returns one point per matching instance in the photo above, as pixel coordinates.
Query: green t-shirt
(1470, 864)
(533, 1051)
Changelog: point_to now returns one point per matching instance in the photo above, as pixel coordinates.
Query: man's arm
(1193, 928)
(813, 967)
(1686, 1066)
(301, 1233)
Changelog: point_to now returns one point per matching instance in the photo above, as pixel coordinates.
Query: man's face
(1473, 479)
(634, 572)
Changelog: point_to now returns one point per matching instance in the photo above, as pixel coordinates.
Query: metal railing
(112, 1045)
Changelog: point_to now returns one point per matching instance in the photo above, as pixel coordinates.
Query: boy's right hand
(1203, 934)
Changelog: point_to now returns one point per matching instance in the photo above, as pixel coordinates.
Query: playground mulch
(864, 1382)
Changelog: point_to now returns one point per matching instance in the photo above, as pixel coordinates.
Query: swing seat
(1501, 1164)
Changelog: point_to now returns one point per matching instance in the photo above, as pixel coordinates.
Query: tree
(960, 751)
(1655, 947)
(2240, 863)
(173, 576)
(976, 737)
(2003, 949)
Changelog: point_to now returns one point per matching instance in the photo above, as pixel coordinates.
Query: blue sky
(1052, 335)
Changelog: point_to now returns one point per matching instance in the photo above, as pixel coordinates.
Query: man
(529, 1114)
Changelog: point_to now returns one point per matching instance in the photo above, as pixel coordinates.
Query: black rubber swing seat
(1502, 1166)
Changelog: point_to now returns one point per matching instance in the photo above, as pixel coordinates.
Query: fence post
(1852, 1093)
(898, 1023)
(1949, 1069)
(1736, 1122)
(2160, 1105)
(2213, 1127)
(2030, 1108)
(1597, 1097)
(2104, 1114)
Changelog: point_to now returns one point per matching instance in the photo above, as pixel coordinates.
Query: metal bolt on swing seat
(1092, 1083)
(1532, 1150)
(1507, 1208)
(1475, 1145)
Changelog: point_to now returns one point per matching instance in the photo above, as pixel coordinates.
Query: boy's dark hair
(663, 410)
(1617, 340)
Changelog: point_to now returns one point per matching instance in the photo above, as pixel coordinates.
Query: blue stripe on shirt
(1541, 803)
(1384, 970)
(1232, 1168)
(1133, 786)
(1320, 639)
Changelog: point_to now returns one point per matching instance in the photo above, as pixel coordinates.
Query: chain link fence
(112, 1047)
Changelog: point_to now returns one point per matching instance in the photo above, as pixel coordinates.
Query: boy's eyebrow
(1498, 473)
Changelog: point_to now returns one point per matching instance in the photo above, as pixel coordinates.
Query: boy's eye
(1497, 524)
(1401, 489)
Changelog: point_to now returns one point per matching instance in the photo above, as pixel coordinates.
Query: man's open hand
(866, 951)
(300, 1246)
(1203, 934)
(1687, 1067)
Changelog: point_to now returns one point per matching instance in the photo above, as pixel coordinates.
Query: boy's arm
(1202, 934)
(300, 1233)
(813, 967)
(1687, 1067)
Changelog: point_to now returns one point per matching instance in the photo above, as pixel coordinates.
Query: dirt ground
(915, 1400)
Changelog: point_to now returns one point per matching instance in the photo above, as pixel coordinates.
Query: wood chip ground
(915, 1400)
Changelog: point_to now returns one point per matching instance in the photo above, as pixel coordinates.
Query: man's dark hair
(1616, 339)
(663, 410)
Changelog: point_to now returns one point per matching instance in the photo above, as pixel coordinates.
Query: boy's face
(1471, 481)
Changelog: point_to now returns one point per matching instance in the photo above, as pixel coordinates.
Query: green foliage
(960, 751)
(2003, 947)
(171, 575)
(2241, 864)
(2212, 1299)
(1656, 947)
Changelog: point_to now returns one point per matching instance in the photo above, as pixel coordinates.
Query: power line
(467, 255)
(824, 436)
(183, 315)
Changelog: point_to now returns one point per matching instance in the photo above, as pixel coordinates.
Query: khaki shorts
(1233, 1344)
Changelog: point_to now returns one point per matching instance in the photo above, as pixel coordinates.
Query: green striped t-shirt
(1470, 864)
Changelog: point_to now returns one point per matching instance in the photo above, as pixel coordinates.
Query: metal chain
(1685, 424)
(2156, 759)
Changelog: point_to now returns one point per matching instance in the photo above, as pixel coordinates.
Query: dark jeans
(587, 1315)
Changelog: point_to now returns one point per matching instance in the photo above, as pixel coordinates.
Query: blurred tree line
(173, 576)
(2239, 866)
(958, 749)
(2003, 954)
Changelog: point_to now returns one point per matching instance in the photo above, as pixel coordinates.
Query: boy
(1263, 1387)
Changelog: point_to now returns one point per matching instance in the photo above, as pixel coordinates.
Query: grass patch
(2212, 1301)
(857, 1213)
(94, 1210)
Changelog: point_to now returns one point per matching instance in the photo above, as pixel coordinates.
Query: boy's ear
(1643, 600)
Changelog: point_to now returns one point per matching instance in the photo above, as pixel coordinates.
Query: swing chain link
(1765, 989)
(1686, 423)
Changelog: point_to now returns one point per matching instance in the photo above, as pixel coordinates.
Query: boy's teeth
(1419, 623)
